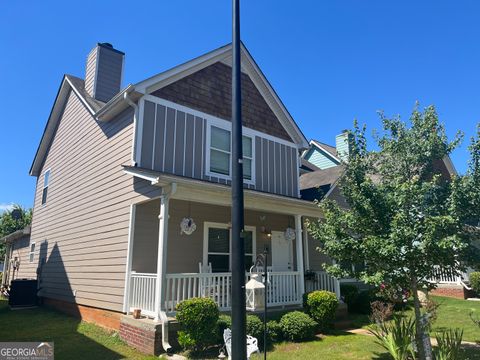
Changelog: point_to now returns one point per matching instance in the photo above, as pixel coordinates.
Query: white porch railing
(142, 292)
(447, 276)
(283, 289)
(323, 281)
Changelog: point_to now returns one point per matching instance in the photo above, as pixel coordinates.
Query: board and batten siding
(81, 233)
(174, 141)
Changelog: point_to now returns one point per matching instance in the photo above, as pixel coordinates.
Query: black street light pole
(239, 336)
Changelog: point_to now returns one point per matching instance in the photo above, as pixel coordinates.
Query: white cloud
(5, 207)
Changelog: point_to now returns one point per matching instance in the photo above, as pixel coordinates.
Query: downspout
(135, 122)
(161, 315)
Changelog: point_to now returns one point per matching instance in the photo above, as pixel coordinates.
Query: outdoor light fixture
(264, 230)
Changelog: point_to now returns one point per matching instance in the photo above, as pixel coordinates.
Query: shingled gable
(258, 94)
(107, 111)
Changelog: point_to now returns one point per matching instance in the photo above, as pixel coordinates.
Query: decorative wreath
(187, 226)
(290, 234)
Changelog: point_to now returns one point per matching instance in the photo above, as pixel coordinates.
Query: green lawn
(342, 346)
(73, 339)
(454, 313)
(78, 340)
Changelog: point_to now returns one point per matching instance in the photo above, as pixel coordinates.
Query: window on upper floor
(46, 179)
(219, 154)
(31, 255)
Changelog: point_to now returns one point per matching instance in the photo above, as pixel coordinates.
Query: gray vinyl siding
(174, 142)
(109, 74)
(82, 230)
(91, 71)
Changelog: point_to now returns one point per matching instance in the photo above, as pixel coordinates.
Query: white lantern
(255, 293)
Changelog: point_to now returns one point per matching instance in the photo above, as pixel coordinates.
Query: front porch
(166, 266)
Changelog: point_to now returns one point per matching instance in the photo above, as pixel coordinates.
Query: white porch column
(306, 253)
(299, 251)
(160, 285)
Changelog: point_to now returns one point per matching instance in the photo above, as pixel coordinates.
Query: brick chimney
(342, 145)
(104, 72)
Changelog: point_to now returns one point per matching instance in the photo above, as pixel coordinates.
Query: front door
(282, 252)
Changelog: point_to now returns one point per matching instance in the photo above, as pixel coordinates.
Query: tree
(12, 220)
(403, 216)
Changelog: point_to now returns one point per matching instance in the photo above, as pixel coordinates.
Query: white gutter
(135, 122)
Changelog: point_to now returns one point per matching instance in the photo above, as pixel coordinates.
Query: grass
(73, 339)
(340, 346)
(78, 340)
(454, 313)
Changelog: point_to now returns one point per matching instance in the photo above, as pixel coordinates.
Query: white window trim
(227, 126)
(31, 254)
(48, 185)
(207, 225)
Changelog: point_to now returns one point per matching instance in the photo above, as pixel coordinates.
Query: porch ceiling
(220, 194)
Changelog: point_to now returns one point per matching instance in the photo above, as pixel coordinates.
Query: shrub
(224, 322)
(381, 312)
(297, 326)
(255, 327)
(349, 294)
(475, 282)
(449, 345)
(322, 306)
(274, 331)
(397, 337)
(362, 304)
(198, 319)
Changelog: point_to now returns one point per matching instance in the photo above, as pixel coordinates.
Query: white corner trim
(128, 269)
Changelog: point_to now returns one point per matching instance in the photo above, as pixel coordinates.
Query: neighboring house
(19, 256)
(325, 156)
(323, 183)
(120, 170)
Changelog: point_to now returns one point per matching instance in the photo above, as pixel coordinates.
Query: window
(31, 255)
(46, 178)
(217, 247)
(220, 154)
(220, 148)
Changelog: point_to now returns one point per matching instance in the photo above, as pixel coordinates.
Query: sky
(330, 61)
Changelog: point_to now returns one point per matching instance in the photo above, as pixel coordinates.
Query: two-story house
(132, 203)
